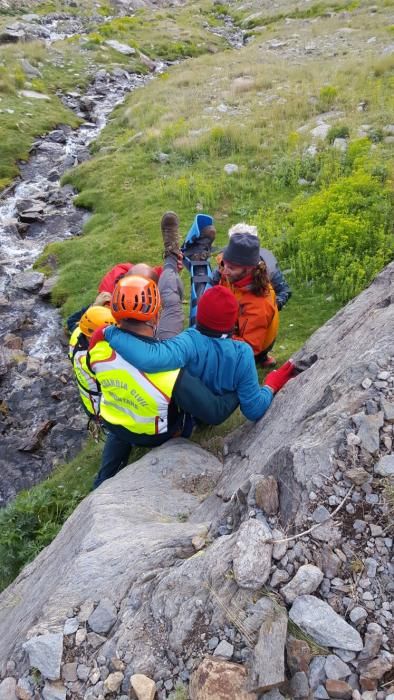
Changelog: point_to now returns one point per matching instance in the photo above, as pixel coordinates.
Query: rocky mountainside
(267, 576)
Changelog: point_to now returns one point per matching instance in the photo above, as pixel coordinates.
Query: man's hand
(279, 377)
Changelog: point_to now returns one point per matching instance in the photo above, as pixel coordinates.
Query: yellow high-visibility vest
(88, 390)
(135, 400)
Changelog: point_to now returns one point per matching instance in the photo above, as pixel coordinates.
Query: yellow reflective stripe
(73, 342)
(137, 401)
(88, 390)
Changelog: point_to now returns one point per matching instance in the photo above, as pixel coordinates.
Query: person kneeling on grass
(139, 408)
(208, 351)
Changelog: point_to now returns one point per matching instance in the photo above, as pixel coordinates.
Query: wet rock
(48, 286)
(33, 443)
(11, 36)
(307, 579)
(252, 554)
(28, 281)
(325, 626)
(219, 680)
(45, 654)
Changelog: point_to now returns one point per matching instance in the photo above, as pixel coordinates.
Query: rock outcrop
(129, 593)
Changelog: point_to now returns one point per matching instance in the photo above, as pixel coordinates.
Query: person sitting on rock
(94, 317)
(138, 408)
(208, 351)
(108, 283)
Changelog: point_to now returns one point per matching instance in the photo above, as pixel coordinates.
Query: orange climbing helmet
(135, 298)
(95, 317)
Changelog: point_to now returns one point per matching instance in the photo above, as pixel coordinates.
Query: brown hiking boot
(170, 233)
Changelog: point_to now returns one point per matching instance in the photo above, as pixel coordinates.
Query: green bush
(327, 97)
(340, 237)
(340, 131)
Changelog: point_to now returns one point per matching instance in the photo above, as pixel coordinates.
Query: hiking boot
(268, 363)
(170, 233)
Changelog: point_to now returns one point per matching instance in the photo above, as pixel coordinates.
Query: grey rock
(45, 654)
(320, 514)
(325, 626)
(252, 554)
(121, 48)
(320, 693)
(279, 576)
(30, 70)
(358, 614)
(307, 579)
(299, 685)
(280, 548)
(231, 168)
(388, 410)
(70, 625)
(224, 649)
(317, 673)
(335, 668)
(28, 281)
(368, 430)
(8, 689)
(385, 466)
(104, 617)
(340, 144)
(213, 642)
(54, 691)
(268, 664)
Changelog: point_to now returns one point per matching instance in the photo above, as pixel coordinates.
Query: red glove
(279, 377)
(97, 336)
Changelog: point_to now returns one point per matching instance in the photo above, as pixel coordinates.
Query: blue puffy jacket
(222, 364)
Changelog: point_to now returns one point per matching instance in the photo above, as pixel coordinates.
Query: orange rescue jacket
(258, 316)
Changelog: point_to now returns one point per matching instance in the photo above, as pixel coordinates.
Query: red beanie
(217, 310)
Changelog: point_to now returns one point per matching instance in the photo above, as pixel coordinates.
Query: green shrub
(327, 97)
(340, 237)
(340, 131)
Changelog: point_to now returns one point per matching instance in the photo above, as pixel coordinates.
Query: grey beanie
(243, 249)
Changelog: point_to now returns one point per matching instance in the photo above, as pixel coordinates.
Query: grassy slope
(266, 99)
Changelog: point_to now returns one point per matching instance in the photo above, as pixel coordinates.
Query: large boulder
(129, 545)
(295, 441)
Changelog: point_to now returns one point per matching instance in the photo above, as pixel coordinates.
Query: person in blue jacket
(207, 351)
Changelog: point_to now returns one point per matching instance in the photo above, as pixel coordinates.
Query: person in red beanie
(209, 353)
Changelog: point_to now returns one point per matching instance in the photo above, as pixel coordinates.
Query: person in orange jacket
(243, 272)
